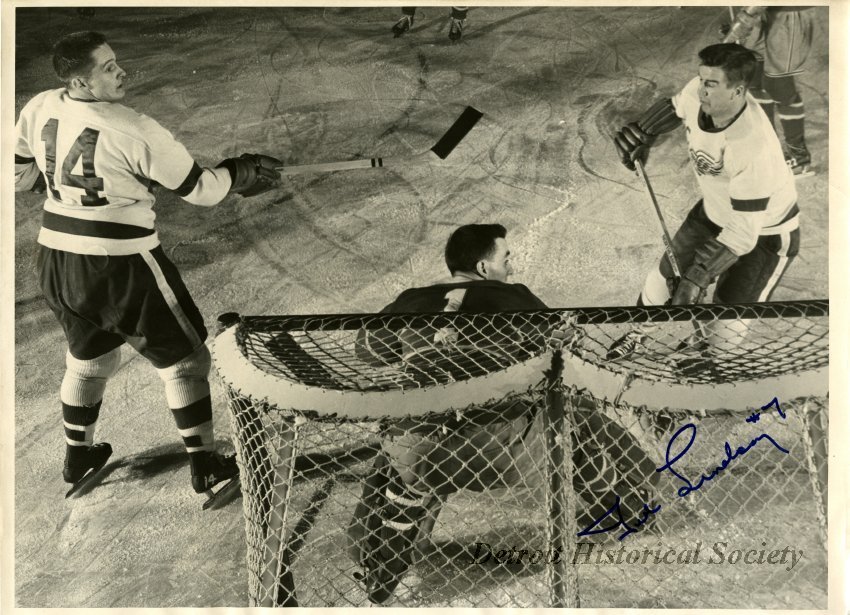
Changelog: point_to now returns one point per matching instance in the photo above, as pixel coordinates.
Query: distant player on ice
(457, 22)
(744, 231)
(101, 267)
(781, 37)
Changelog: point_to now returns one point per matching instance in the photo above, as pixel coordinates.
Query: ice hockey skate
(212, 469)
(456, 29)
(799, 160)
(403, 25)
(626, 346)
(85, 471)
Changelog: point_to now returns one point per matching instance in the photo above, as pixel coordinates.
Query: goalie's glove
(252, 174)
(634, 140)
(711, 260)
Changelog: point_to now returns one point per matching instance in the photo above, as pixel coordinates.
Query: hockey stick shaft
(442, 148)
(665, 236)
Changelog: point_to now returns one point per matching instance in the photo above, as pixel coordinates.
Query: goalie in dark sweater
(423, 461)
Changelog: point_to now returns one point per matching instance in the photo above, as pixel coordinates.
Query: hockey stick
(665, 236)
(442, 148)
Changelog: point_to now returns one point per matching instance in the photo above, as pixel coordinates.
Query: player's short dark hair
(737, 62)
(72, 54)
(471, 243)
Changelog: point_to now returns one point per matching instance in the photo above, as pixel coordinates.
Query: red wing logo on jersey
(705, 164)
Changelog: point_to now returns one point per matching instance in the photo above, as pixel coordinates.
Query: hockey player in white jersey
(744, 231)
(101, 267)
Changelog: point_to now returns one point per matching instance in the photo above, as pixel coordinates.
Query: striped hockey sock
(195, 424)
(79, 423)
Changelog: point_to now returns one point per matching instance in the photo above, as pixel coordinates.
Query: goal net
(509, 459)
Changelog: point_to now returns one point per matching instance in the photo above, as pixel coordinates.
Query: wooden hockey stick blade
(442, 148)
(456, 132)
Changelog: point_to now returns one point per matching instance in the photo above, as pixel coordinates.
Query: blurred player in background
(781, 37)
(423, 461)
(101, 267)
(744, 231)
(457, 21)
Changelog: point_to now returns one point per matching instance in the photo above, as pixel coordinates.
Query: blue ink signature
(617, 514)
(731, 455)
(755, 416)
(620, 522)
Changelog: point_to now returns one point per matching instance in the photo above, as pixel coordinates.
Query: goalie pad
(385, 529)
(610, 462)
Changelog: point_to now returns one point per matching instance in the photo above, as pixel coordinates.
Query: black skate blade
(84, 485)
(224, 496)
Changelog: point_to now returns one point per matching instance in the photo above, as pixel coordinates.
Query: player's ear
(77, 82)
(481, 268)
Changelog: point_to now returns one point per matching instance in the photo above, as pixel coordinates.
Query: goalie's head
(479, 250)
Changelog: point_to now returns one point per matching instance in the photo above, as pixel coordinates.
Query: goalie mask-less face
(497, 266)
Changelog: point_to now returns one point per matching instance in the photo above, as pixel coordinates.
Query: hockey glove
(687, 293)
(633, 144)
(711, 260)
(743, 27)
(634, 139)
(252, 174)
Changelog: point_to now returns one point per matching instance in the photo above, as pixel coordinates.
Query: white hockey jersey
(99, 160)
(747, 187)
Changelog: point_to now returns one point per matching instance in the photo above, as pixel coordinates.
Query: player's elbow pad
(659, 118)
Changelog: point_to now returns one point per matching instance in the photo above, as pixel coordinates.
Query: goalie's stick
(665, 236)
(442, 148)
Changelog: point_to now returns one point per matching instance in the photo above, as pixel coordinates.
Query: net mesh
(512, 459)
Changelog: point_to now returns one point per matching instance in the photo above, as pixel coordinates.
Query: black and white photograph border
(389, 129)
